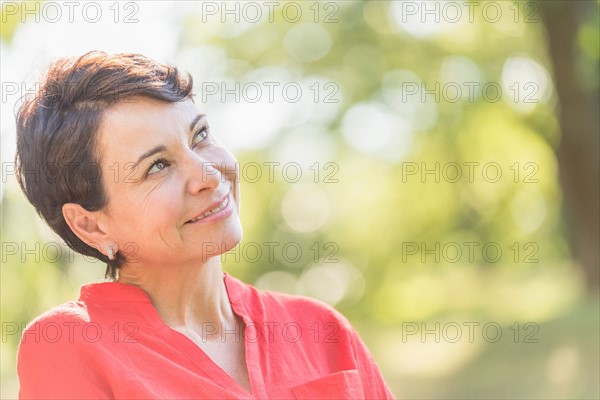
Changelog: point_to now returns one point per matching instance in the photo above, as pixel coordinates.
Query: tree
(578, 152)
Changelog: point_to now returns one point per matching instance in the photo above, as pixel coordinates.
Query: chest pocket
(341, 385)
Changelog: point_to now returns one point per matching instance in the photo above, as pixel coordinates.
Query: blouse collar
(100, 292)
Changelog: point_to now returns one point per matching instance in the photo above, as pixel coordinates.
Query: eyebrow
(161, 147)
(195, 120)
(149, 153)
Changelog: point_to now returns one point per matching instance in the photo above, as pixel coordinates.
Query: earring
(110, 254)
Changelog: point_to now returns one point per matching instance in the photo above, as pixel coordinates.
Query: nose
(201, 174)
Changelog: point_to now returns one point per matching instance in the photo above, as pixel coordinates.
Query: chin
(234, 239)
(227, 241)
(229, 246)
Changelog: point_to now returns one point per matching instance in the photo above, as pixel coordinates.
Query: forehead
(140, 112)
(134, 126)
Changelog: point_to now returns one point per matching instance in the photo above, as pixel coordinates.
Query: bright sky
(153, 29)
(36, 43)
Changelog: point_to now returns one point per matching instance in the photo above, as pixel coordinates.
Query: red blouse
(113, 344)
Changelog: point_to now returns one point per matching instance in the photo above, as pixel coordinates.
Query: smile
(215, 210)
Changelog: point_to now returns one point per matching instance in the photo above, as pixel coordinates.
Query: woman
(115, 157)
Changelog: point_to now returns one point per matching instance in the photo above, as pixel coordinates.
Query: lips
(212, 209)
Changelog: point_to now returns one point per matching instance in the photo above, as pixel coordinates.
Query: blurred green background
(482, 284)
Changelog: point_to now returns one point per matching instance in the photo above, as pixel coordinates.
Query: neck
(187, 299)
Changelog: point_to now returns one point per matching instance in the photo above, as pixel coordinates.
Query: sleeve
(52, 366)
(373, 383)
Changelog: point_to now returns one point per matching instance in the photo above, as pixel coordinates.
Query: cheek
(143, 226)
(137, 214)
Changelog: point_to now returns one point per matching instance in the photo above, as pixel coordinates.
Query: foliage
(375, 201)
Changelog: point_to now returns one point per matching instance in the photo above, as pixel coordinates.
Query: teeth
(213, 211)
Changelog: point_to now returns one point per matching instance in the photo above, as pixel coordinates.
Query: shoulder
(54, 326)
(51, 337)
(271, 304)
(57, 353)
(69, 312)
(304, 305)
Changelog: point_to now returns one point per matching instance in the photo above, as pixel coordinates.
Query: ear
(85, 225)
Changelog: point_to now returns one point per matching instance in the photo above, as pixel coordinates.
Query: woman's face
(163, 171)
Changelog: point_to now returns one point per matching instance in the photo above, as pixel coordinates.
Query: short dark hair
(57, 160)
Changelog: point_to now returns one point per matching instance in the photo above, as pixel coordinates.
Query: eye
(157, 166)
(200, 136)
